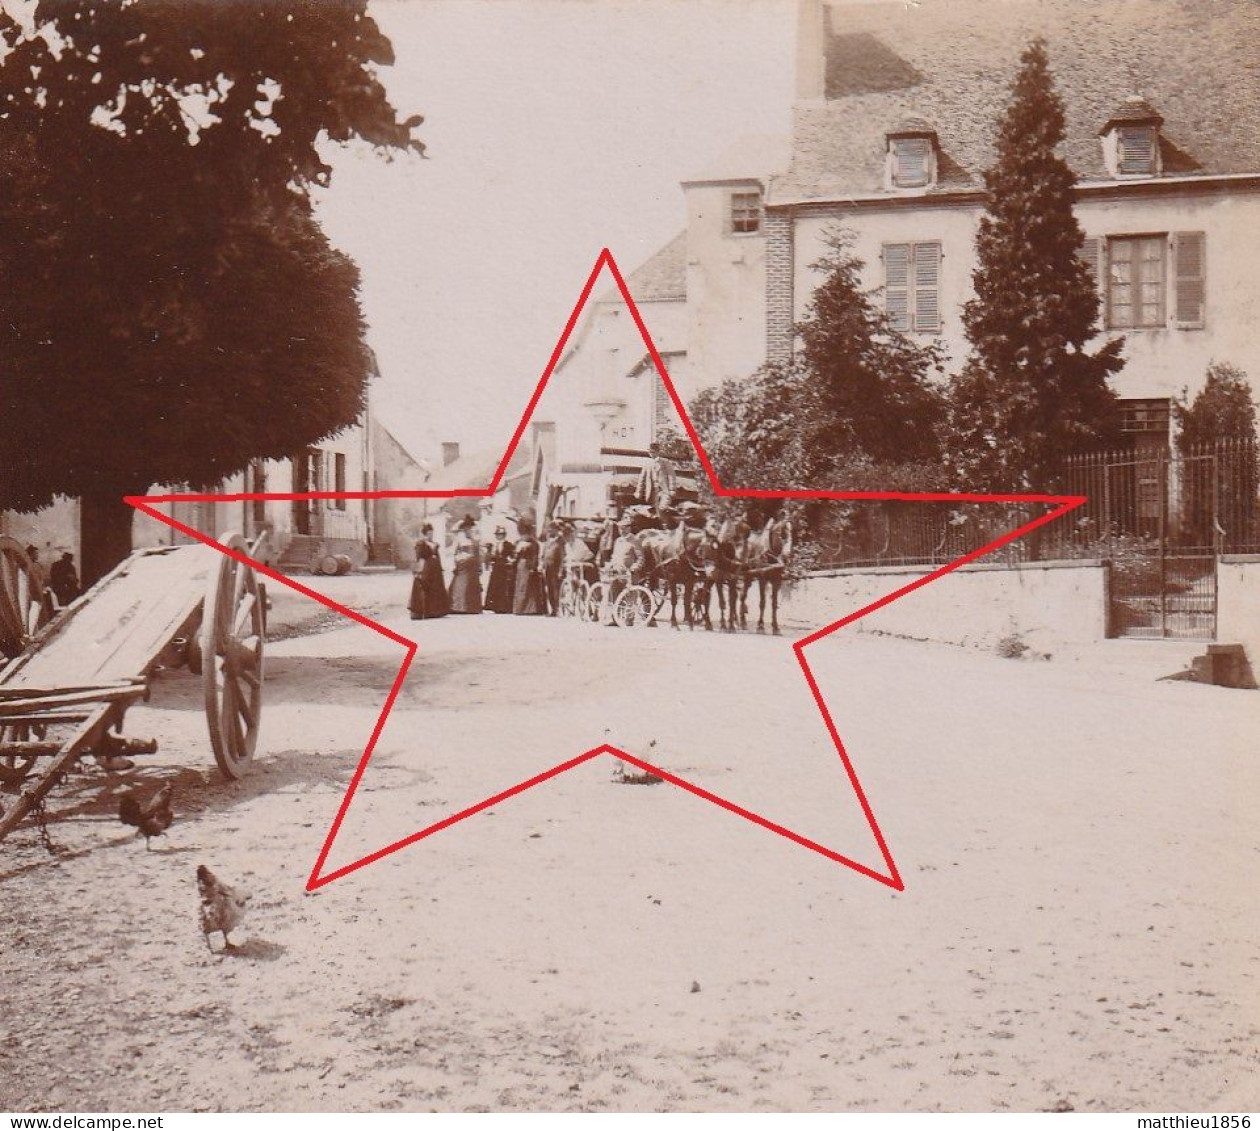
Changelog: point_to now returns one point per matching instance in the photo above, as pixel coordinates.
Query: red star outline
(1060, 504)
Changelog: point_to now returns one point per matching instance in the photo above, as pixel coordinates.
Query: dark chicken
(151, 818)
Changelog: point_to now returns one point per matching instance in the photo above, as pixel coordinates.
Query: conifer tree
(1030, 393)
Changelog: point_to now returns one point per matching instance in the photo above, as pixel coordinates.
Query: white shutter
(927, 287)
(1137, 150)
(1189, 253)
(897, 284)
(910, 158)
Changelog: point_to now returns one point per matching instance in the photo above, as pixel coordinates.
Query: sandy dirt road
(1079, 924)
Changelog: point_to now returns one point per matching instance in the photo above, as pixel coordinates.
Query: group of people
(522, 578)
(663, 547)
(512, 574)
(62, 577)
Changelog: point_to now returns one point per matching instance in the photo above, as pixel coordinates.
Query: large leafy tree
(1030, 393)
(169, 306)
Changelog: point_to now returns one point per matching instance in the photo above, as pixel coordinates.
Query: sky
(554, 128)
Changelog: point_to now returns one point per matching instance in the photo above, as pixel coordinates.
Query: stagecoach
(68, 677)
(675, 560)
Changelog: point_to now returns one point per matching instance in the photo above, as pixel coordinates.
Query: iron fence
(1202, 501)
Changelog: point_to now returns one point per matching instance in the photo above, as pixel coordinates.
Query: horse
(721, 573)
(769, 552)
(671, 560)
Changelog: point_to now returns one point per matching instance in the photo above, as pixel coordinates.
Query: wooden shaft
(71, 751)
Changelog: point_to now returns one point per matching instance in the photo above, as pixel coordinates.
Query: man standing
(553, 567)
(658, 481)
(63, 579)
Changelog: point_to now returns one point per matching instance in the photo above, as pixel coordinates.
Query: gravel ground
(1078, 927)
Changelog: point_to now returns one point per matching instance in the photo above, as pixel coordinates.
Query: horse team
(699, 556)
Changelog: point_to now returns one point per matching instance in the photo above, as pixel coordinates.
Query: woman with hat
(499, 585)
(465, 592)
(527, 597)
(428, 590)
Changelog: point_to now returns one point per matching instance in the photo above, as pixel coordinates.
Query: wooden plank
(70, 699)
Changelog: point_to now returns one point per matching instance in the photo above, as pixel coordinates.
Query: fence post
(1161, 480)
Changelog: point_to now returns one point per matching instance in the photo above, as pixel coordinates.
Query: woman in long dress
(428, 589)
(527, 598)
(466, 579)
(499, 585)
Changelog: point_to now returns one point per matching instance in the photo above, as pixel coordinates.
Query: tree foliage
(1222, 410)
(855, 409)
(1030, 393)
(169, 306)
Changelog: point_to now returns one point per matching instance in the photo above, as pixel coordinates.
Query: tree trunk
(104, 534)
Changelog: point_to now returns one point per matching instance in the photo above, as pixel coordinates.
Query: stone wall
(1043, 603)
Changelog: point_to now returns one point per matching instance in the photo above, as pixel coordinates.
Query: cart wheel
(13, 768)
(232, 660)
(635, 607)
(23, 607)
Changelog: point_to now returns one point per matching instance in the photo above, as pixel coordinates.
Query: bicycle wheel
(596, 594)
(635, 607)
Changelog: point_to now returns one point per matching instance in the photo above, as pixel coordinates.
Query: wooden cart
(72, 674)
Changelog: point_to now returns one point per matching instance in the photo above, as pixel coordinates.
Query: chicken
(151, 818)
(222, 906)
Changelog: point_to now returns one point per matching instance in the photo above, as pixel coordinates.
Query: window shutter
(1137, 150)
(1091, 256)
(897, 284)
(927, 287)
(1189, 280)
(910, 162)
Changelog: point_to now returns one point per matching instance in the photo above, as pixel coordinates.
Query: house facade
(605, 404)
(360, 458)
(894, 126)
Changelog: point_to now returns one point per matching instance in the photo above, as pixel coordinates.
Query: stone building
(894, 126)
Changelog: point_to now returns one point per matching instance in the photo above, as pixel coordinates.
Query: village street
(1077, 840)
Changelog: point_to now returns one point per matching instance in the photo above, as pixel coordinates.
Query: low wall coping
(1240, 559)
(971, 567)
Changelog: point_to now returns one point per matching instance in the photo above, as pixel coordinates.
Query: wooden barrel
(328, 564)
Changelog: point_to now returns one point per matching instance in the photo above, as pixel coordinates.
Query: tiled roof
(662, 277)
(1135, 108)
(477, 469)
(950, 62)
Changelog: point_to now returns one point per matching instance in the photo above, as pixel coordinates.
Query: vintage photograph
(639, 556)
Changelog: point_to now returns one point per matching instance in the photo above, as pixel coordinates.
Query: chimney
(811, 50)
(543, 436)
(450, 452)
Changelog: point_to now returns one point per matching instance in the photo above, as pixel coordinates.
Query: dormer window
(1130, 138)
(911, 155)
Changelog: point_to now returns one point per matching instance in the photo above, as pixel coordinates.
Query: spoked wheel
(24, 608)
(596, 595)
(232, 660)
(14, 767)
(635, 607)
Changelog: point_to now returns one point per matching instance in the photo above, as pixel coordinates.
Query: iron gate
(1162, 519)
